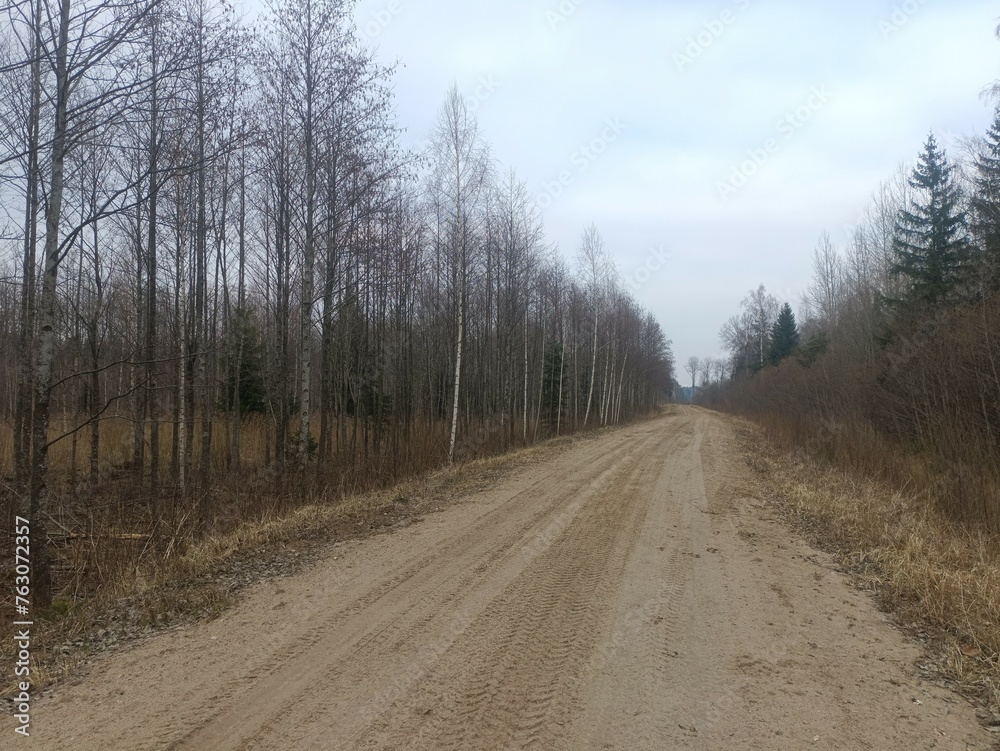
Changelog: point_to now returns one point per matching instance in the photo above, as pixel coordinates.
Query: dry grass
(933, 574)
(6, 449)
(103, 532)
(201, 578)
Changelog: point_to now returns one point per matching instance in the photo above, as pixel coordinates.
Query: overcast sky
(711, 142)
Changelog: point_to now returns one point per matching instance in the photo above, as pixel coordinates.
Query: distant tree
(737, 340)
(760, 310)
(719, 370)
(985, 203)
(825, 293)
(596, 269)
(784, 336)
(693, 367)
(707, 367)
(931, 242)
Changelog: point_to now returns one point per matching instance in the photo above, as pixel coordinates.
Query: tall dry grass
(6, 449)
(106, 528)
(115, 583)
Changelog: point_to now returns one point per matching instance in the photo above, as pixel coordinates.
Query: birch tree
(460, 173)
(595, 269)
(79, 43)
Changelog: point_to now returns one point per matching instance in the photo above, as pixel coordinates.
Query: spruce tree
(931, 243)
(784, 336)
(986, 203)
(244, 352)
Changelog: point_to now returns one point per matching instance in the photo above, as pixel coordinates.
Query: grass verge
(940, 581)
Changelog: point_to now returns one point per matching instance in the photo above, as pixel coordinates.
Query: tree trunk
(39, 497)
(26, 332)
(95, 363)
(621, 381)
(180, 430)
(202, 400)
(524, 437)
(241, 319)
(138, 402)
(460, 336)
(152, 396)
(562, 366)
(593, 371)
(309, 259)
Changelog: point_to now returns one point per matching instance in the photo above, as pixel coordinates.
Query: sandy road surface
(629, 593)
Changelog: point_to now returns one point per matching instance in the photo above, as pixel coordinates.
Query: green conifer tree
(931, 243)
(784, 336)
(244, 352)
(986, 204)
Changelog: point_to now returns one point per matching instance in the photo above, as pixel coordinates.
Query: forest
(227, 289)
(893, 370)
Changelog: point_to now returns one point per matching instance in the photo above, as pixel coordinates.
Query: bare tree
(761, 310)
(595, 268)
(72, 53)
(461, 172)
(693, 367)
(825, 293)
(718, 370)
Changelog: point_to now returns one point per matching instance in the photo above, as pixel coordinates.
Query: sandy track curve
(628, 594)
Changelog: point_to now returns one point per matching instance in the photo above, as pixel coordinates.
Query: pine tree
(931, 243)
(986, 203)
(784, 336)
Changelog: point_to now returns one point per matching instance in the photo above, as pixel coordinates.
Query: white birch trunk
(593, 371)
(524, 437)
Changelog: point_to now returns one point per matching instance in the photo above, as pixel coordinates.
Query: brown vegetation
(896, 369)
(941, 580)
(924, 417)
(116, 585)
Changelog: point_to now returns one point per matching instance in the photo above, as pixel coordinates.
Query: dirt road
(629, 593)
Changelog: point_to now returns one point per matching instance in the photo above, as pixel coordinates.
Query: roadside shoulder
(938, 584)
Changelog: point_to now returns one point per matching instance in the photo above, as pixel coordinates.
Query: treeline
(896, 369)
(224, 281)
